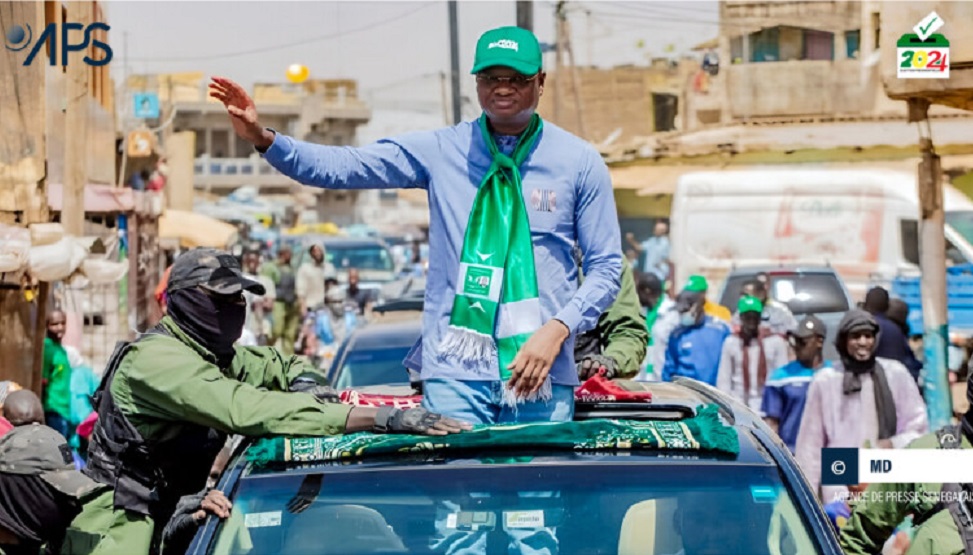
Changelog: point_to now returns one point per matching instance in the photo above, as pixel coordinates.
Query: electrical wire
(284, 46)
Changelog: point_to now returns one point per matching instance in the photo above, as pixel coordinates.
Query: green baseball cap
(749, 304)
(696, 283)
(511, 47)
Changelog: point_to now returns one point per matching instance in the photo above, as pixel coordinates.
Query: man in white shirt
(310, 279)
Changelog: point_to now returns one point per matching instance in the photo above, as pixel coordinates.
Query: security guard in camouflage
(941, 512)
(40, 490)
(618, 343)
(168, 400)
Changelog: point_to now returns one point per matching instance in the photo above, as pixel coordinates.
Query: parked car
(805, 290)
(373, 354)
(609, 501)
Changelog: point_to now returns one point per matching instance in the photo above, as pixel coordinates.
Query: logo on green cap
(505, 43)
(511, 47)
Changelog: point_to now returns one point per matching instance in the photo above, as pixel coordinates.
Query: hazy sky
(394, 49)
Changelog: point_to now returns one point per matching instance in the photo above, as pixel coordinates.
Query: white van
(863, 223)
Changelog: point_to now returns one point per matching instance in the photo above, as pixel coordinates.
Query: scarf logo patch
(478, 281)
(543, 200)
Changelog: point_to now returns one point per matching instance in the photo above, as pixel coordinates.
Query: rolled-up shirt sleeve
(596, 222)
(386, 164)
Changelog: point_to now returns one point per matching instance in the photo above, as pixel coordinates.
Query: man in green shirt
(287, 311)
(56, 376)
(168, 400)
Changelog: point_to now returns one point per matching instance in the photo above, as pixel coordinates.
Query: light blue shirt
(569, 199)
(656, 253)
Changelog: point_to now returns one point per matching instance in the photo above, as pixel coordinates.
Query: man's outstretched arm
(389, 163)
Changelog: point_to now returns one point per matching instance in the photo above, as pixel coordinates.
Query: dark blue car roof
(759, 446)
(666, 396)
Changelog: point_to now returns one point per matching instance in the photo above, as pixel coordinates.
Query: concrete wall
(898, 18)
(180, 149)
(617, 100)
(740, 16)
(795, 88)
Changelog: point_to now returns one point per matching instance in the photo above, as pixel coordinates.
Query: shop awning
(651, 180)
(100, 199)
(195, 230)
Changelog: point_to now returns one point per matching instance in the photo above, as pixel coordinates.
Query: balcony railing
(228, 172)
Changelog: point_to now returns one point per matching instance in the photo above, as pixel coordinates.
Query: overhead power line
(272, 48)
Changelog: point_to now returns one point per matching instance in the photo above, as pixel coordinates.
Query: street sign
(140, 143)
(146, 105)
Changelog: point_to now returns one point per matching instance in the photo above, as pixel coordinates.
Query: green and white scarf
(497, 282)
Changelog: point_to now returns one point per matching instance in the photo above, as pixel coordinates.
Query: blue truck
(959, 300)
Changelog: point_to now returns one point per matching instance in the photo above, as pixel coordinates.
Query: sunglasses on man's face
(515, 81)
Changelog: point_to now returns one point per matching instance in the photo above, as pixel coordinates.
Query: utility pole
(575, 77)
(443, 82)
(525, 14)
(932, 263)
(558, 60)
(454, 61)
(75, 129)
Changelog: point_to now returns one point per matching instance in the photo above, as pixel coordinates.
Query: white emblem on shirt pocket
(543, 200)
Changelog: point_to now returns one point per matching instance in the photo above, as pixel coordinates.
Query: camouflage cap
(37, 450)
(212, 269)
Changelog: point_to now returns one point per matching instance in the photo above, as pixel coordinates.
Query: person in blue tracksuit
(694, 347)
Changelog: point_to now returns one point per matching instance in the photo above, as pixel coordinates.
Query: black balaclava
(215, 325)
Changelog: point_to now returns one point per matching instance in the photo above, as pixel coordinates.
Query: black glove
(391, 420)
(308, 384)
(591, 364)
(181, 528)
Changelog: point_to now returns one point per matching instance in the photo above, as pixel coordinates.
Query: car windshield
(373, 367)
(363, 257)
(652, 509)
(802, 293)
(962, 223)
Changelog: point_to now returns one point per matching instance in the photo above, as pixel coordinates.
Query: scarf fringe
(510, 399)
(470, 348)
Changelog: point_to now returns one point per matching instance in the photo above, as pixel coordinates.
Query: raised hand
(242, 112)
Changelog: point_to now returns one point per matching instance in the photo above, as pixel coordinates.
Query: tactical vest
(148, 477)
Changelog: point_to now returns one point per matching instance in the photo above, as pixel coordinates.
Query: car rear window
(373, 367)
(802, 293)
(589, 509)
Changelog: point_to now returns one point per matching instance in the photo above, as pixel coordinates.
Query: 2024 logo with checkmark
(923, 54)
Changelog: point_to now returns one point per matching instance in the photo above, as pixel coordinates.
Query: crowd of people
(306, 308)
(528, 293)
